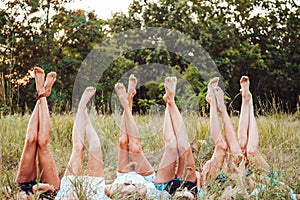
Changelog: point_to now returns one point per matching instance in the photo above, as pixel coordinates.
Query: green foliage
(240, 40)
(56, 43)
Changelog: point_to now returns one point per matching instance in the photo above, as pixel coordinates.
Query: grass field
(279, 136)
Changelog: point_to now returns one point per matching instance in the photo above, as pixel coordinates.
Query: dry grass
(278, 133)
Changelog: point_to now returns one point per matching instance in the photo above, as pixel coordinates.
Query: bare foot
(131, 86)
(121, 92)
(50, 80)
(170, 87)
(39, 76)
(245, 83)
(86, 96)
(210, 89)
(220, 99)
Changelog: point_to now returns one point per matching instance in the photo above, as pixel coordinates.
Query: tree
(240, 41)
(57, 42)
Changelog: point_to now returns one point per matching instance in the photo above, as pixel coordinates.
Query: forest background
(264, 45)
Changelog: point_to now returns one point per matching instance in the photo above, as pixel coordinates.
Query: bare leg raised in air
(212, 168)
(37, 143)
(253, 153)
(142, 165)
(177, 148)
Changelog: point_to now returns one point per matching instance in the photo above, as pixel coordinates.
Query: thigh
(27, 170)
(142, 165)
(95, 166)
(49, 173)
(186, 167)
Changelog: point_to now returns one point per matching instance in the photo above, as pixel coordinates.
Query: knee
(78, 148)
(123, 142)
(94, 149)
(94, 153)
(221, 145)
(43, 141)
(31, 137)
(252, 151)
(220, 152)
(171, 147)
(135, 147)
(183, 146)
(242, 143)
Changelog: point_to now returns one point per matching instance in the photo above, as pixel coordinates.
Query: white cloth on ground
(136, 178)
(74, 187)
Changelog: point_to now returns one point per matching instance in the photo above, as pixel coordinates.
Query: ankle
(41, 91)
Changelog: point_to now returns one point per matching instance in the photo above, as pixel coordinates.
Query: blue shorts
(163, 186)
(177, 183)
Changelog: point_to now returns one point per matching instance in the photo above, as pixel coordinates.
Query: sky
(103, 8)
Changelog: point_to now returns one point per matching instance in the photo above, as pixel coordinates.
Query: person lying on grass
(139, 179)
(243, 149)
(211, 169)
(37, 145)
(76, 183)
(135, 174)
(177, 171)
